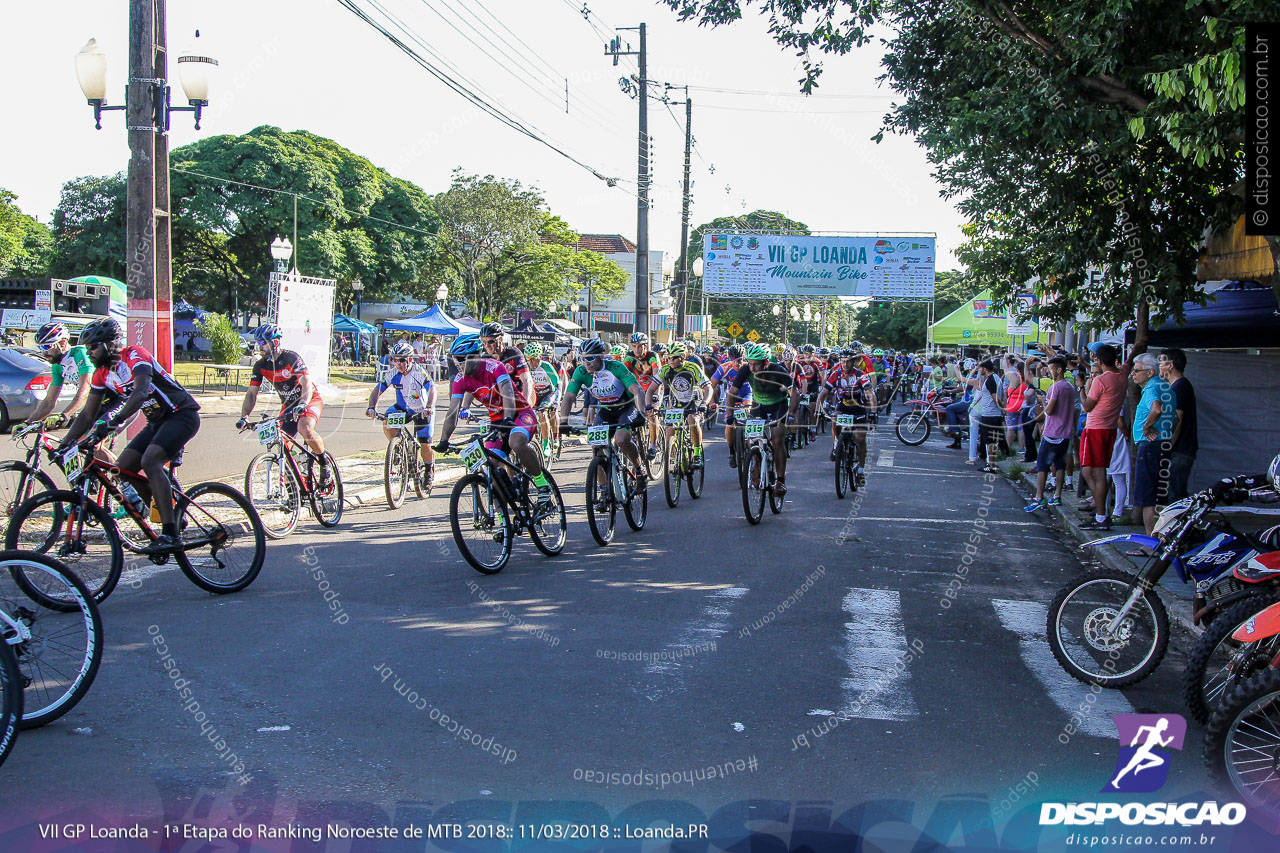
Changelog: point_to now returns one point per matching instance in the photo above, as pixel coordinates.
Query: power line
(800, 111)
(817, 97)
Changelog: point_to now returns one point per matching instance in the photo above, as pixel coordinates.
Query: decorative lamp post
(697, 273)
(357, 286)
(281, 251)
(442, 295)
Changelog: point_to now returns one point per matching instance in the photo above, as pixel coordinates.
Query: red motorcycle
(914, 425)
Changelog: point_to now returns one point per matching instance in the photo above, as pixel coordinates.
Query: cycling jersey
(613, 385)
(644, 369)
(546, 382)
(75, 362)
(771, 384)
(166, 395)
(413, 389)
(851, 390)
(516, 365)
(683, 379)
(285, 373)
(805, 374)
(726, 373)
(485, 386)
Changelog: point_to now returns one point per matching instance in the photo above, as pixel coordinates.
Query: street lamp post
(442, 294)
(357, 287)
(697, 273)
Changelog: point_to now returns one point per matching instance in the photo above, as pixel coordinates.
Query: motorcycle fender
(1137, 538)
(1259, 626)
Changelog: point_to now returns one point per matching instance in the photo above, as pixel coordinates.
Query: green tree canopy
(903, 325)
(26, 245)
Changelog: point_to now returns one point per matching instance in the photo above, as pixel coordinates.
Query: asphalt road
(840, 652)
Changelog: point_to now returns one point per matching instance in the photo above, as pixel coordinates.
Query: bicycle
(402, 463)
(496, 501)
(57, 651)
(678, 462)
(75, 526)
(622, 487)
(10, 701)
(759, 475)
(30, 480)
(846, 455)
(275, 482)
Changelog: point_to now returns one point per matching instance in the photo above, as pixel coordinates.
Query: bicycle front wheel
(694, 473)
(18, 482)
(10, 700)
(671, 474)
(550, 527)
(602, 509)
(636, 509)
(273, 489)
(754, 484)
(223, 541)
(482, 525)
(326, 500)
(842, 470)
(395, 473)
(75, 530)
(60, 659)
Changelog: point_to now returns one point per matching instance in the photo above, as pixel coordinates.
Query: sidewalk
(333, 395)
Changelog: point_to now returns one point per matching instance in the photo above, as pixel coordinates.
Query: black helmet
(100, 332)
(492, 330)
(735, 351)
(808, 349)
(591, 347)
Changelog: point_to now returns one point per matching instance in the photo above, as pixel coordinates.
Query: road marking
(876, 640)
(885, 459)
(697, 637)
(968, 521)
(1028, 619)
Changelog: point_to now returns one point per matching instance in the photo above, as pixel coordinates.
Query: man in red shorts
(1102, 401)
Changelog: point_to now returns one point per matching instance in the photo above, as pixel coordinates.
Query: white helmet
(1273, 473)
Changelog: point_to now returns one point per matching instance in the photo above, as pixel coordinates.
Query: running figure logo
(1143, 765)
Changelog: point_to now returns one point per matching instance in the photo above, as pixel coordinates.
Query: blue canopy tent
(186, 337)
(433, 321)
(1241, 314)
(342, 324)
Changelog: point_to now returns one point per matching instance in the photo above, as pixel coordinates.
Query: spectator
(1101, 401)
(986, 393)
(1186, 439)
(418, 345)
(1015, 394)
(1119, 471)
(1153, 434)
(1059, 423)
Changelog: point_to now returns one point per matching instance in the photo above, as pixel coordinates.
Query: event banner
(305, 317)
(781, 265)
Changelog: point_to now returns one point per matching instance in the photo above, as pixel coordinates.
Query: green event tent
(969, 325)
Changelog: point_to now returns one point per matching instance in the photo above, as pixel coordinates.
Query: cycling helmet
(100, 332)
(465, 345)
(1273, 473)
(704, 350)
(788, 355)
(402, 349)
(877, 351)
(852, 349)
(593, 347)
(856, 345)
(660, 349)
(808, 349)
(824, 352)
(618, 351)
(533, 349)
(267, 332)
(735, 351)
(50, 333)
(492, 330)
(639, 338)
(757, 352)
(678, 349)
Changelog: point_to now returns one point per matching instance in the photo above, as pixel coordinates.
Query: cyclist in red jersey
(645, 365)
(493, 338)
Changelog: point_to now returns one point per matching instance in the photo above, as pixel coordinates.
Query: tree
(89, 227)
(26, 245)
(903, 325)
(225, 341)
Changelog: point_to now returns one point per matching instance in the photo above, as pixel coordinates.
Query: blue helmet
(267, 332)
(465, 345)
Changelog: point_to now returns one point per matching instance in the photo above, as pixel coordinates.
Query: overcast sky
(313, 65)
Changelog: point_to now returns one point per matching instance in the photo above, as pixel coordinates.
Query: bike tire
(1245, 716)
(10, 701)
(27, 483)
(636, 509)
(226, 515)
(279, 510)
(58, 664)
(96, 562)
(550, 532)
(488, 512)
(671, 472)
(695, 474)
(913, 428)
(753, 496)
(1101, 581)
(415, 467)
(842, 471)
(326, 503)
(395, 473)
(603, 520)
(1205, 679)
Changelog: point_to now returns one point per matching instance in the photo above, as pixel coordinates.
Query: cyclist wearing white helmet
(645, 365)
(546, 385)
(54, 343)
(416, 397)
(775, 399)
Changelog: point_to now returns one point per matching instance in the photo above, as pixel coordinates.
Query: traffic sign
(753, 336)
(735, 330)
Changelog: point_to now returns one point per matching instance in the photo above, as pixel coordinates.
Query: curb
(1178, 609)
(378, 493)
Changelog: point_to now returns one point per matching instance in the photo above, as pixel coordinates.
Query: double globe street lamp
(194, 72)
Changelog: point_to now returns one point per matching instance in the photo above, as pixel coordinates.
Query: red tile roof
(606, 243)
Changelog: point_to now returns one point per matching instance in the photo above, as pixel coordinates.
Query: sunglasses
(46, 347)
(400, 360)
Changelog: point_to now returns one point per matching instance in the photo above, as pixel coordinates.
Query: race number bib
(70, 464)
(472, 455)
(268, 432)
(742, 413)
(675, 417)
(755, 428)
(844, 420)
(395, 420)
(598, 436)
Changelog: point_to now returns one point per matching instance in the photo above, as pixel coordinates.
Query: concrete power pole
(614, 49)
(683, 284)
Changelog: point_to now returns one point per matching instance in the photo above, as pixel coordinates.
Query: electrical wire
(816, 97)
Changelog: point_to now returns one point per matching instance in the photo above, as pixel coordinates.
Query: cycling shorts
(314, 407)
(170, 433)
(425, 423)
(547, 401)
(619, 418)
(770, 411)
(525, 422)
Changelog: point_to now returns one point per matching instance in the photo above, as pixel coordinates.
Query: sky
(313, 65)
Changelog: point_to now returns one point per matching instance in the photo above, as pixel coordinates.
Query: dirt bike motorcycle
(914, 426)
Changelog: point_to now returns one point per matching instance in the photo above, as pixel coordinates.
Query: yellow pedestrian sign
(735, 330)
(753, 336)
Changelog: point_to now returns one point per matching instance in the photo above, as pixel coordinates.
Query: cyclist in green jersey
(688, 387)
(773, 393)
(546, 388)
(617, 394)
(54, 342)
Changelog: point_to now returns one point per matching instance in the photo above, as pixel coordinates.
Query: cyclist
(855, 395)
(131, 374)
(489, 382)
(775, 399)
(617, 352)
(645, 365)
(617, 395)
(493, 337)
(300, 403)
(547, 382)
(709, 361)
(416, 397)
(54, 343)
(689, 387)
(808, 379)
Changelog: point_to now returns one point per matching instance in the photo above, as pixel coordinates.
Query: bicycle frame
(495, 463)
(16, 632)
(285, 446)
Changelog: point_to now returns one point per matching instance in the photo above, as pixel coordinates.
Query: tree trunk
(1143, 320)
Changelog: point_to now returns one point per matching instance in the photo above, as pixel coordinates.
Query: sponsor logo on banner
(736, 241)
(719, 243)
(753, 243)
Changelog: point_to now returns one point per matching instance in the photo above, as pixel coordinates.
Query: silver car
(24, 377)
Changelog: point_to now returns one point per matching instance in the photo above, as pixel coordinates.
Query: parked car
(24, 377)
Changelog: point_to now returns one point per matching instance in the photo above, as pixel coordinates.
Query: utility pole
(147, 253)
(642, 177)
(683, 276)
